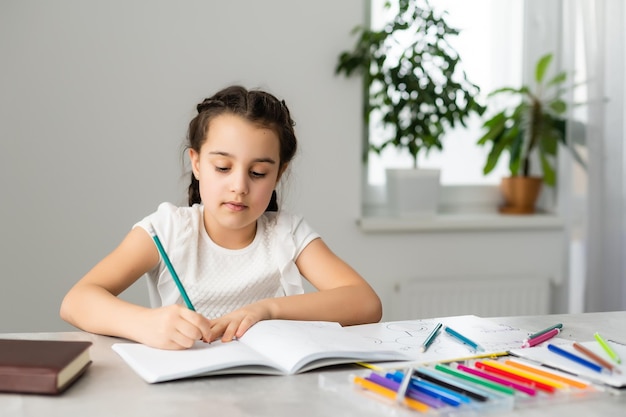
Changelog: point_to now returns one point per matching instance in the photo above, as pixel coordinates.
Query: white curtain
(594, 202)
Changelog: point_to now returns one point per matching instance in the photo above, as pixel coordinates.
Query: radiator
(481, 296)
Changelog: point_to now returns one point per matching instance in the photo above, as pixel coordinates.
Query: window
(490, 45)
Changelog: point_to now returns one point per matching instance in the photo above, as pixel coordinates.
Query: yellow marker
(547, 381)
(370, 366)
(536, 370)
(389, 393)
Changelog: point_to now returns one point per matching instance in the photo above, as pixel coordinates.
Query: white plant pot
(413, 192)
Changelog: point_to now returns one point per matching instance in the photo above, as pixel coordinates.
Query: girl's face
(238, 167)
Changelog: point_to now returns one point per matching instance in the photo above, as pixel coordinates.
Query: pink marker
(497, 380)
(541, 338)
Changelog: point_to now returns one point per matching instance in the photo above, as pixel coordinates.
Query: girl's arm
(92, 304)
(343, 296)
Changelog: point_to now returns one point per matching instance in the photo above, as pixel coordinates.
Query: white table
(111, 388)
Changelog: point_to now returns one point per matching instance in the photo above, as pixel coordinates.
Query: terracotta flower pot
(520, 194)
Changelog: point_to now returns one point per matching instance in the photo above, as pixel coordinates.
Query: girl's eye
(257, 174)
(221, 169)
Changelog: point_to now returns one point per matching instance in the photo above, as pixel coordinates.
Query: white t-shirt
(219, 280)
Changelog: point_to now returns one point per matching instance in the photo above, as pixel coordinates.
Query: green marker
(607, 348)
(462, 375)
(544, 331)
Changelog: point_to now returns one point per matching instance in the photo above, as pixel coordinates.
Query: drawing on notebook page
(408, 335)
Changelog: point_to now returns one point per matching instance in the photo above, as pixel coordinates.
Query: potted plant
(412, 84)
(530, 131)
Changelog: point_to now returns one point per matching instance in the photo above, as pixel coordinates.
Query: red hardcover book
(41, 366)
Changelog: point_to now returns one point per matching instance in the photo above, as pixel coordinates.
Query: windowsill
(460, 208)
(454, 222)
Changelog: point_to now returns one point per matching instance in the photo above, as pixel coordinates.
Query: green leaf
(492, 159)
(549, 175)
(557, 79)
(515, 151)
(549, 142)
(542, 66)
(558, 106)
(508, 90)
(500, 143)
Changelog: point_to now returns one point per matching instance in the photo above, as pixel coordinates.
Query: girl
(238, 258)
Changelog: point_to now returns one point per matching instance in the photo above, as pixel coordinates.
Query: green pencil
(170, 267)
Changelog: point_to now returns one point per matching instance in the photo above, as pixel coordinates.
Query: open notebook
(280, 347)
(289, 347)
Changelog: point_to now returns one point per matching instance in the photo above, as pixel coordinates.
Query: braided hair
(256, 106)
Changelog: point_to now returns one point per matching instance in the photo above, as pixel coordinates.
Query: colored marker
(390, 380)
(541, 338)
(424, 387)
(404, 385)
(431, 337)
(536, 381)
(170, 267)
(498, 380)
(474, 379)
(591, 355)
(462, 338)
(539, 333)
(584, 362)
(426, 375)
(607, 348)
(540, 371)
(388, 393)
(449, 397)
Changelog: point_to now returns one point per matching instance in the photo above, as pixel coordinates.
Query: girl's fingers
(243, 327)
(229, 333)
(194, 326)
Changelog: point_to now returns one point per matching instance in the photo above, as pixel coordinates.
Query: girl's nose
(239, 184)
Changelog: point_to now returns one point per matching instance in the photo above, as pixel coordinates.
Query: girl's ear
(194, 157)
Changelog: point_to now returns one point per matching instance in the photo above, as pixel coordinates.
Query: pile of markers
(484, 385)
(487, 384)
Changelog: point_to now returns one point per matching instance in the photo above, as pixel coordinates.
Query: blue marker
(462, 338)
(575, 358)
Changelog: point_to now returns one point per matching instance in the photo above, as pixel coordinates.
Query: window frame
(462, 199)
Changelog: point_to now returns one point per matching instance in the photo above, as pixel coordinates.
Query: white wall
(95, 98)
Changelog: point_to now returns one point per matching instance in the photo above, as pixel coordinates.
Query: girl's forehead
(231, 132)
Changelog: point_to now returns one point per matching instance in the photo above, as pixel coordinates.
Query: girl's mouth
(234, 206)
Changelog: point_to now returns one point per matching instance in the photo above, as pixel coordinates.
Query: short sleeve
(173, 226)
(292, 235)
(302, 233)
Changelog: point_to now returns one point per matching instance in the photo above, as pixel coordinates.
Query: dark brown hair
(256, 106)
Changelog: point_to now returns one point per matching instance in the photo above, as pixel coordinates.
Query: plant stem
(535, 129)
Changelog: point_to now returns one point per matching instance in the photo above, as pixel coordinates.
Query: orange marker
(389, 393)
(536, 370)
(539, 382)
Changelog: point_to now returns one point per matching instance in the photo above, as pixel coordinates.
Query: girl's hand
(173, 327)
(236, 323)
